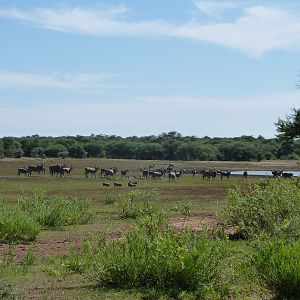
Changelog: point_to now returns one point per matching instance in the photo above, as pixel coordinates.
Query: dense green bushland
(268, 207)
(55, 211)
(168, 146)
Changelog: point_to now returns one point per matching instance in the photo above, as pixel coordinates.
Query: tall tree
(289, 128)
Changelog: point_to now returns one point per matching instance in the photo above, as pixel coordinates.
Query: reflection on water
(262, 172)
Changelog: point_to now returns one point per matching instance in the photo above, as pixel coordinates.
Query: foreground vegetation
(187, 239)
(24, 221)
(185, 264)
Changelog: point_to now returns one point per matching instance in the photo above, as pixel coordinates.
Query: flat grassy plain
(205, 198)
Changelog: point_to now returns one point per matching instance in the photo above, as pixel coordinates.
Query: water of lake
(261, 172)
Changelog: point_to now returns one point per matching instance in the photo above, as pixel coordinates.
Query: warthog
(117, 184)
(132, 184)
(105, 184)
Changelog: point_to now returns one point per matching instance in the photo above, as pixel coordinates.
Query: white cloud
(97, 21)
(17, 80)
(259, 30)
(214, 8)
(190, 116)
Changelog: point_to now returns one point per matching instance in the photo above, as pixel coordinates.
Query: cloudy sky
(138, 67)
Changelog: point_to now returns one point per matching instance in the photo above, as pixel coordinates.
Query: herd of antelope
(147, 173)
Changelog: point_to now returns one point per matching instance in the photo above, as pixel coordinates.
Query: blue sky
(137, 67)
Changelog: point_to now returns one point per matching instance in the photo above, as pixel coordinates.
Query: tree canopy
(170, 146)
(289, 128)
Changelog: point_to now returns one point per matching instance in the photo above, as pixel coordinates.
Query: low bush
(16, 225)
(56, 211)
(269, 207)
(137, 204)
(277, 264)
(110, 199)
(153, 256)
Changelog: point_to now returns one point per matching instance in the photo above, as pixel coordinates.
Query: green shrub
(270, 207)
(30, 257)
(110, 199)
(153, 256)
(137, 204)
(278, 266)
(16, 225)
(55, 211)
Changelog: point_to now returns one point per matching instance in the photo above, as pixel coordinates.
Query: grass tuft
(16, 225)
(55, 211)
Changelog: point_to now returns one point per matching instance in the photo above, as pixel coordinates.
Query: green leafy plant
(110, 199)
(55, 211)
(153, 256)
(268, 207)
(277, 264)
(16, 225)
(137, 204)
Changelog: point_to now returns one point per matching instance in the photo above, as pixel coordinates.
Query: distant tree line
(169, 146)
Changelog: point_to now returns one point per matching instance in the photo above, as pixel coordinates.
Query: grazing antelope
(24, 170)
(90, 170)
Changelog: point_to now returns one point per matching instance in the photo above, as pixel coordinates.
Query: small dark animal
(117, 184)
(287, 175)
(132, 184)
(105, 184)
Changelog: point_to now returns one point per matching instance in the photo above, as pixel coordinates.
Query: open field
(205, 198)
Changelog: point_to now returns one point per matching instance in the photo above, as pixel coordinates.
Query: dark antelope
(124, 173)
(38, 168)
(24, 170)
(90, 170)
